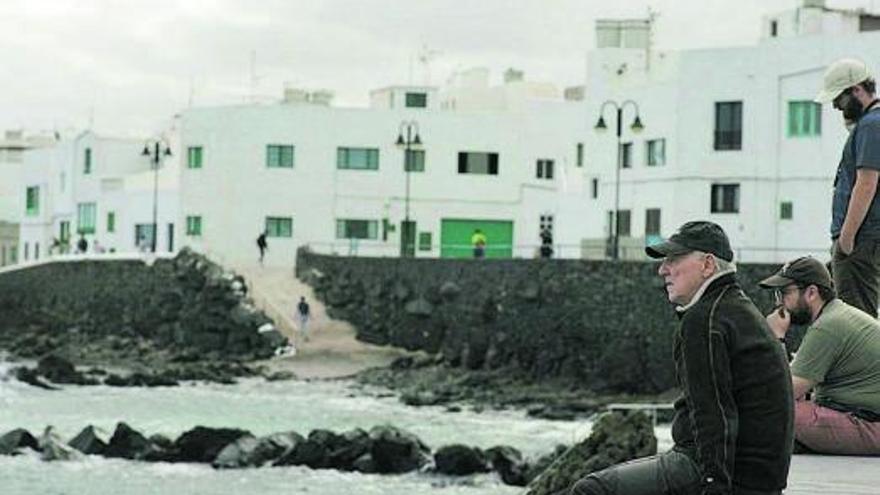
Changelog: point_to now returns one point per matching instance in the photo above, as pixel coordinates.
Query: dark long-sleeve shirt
(736, 411)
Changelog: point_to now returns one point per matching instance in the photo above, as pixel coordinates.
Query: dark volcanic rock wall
(605, 324)
(181, 305)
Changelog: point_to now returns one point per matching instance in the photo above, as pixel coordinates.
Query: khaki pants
(857, 275)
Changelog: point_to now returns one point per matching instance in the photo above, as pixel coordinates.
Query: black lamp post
(153, 150)
(408, 139)
(636, 127)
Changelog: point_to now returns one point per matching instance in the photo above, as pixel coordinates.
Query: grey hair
(722, 265)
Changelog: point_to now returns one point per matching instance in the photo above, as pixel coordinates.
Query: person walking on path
(839, 359)
(546, 243)
(733, 426)
(262, 245)
(82, 245)
(303, 316)
(479, 241)
(855, 212)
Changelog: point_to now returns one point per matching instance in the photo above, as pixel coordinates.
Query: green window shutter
(194, 157)
(85, 218)
(424, 241)
(792, 119)
(111, 221)
(194, 225)
(279, 156)
(32, 200)
(279, 226)
(87, 162)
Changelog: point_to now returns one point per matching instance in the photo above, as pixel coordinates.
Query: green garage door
(455, 238)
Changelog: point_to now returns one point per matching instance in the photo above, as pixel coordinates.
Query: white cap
(842, 74)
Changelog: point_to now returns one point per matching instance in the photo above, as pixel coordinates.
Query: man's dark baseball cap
(700, 235)
(802, 271)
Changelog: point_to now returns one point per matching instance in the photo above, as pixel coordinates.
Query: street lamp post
(408, 139)
(636, 126)
(153, 150)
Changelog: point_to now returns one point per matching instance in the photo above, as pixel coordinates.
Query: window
(594, 188)
(472, 162)
(544, 169)
(774, 28)
(87, 162)
(144, 234)
(279, 156)
(32, 201)
(804, 119)
(725, 198)
(27, 251)
(656, 152)
(64, 232)
(416, 100)
(728, 125)
(626, 155)
(357, 158)
(85, 218)
(357, 229)
(279, 226)
(425, 241)
(623, 223)
(580, 155)
(194, 157)
(786, 210)
(194, 225)
(36, 250)
(652, 222)
(111, 221)
(414, 161)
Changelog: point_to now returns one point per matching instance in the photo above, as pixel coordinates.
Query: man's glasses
(779, 294)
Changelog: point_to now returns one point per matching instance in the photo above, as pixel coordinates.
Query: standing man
(302, 317)
(546, 250)
(478, 241)
(734, 418)
(839, 358)
(855, 213)
(262, 245)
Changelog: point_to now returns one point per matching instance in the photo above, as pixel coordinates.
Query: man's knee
(589, 486)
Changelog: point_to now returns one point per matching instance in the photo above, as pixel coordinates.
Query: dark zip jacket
(735, 416)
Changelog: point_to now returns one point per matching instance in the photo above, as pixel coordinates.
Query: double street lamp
(153, 150)
(636, 127)
(408, 139)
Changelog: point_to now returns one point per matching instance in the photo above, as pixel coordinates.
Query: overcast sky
(126, 66)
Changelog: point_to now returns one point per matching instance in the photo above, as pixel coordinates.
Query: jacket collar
(725, 277)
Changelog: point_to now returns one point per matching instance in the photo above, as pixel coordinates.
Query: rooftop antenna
(652, 18)
(426, 55)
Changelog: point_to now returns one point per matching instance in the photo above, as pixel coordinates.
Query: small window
(357, 229)
(416, 100)
(87, 162)
(804, 119)
(27, 251)
(544, 169)
(36, 250)
(623, 223)
(194, 225)
(471, 162)
(111, 221)
(32, 201)
(594, 188)
(656, 150)
(424, 241)
(64, 231)
(85, 218)
(728, 125)
(279, 227)
(357, 158)
(194, 157)
(626, 155)
(279, 156)
(774, 28)
(414, 161)
(580, 155)
(786, 210)
(725, 198)
(652, 222)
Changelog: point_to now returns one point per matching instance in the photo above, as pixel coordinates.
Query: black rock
(139, 380)
(202, 444)
(19, 438)
(396, 451)
(31, 377)
(350, 446)
(128, 443)
(88, 442)
(237, 454)
(309, 452)
(59, 370)
(460, 460)
(508, 463)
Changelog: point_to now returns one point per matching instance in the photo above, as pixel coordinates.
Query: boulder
(616, 438)
(274, 447)
(508, 463)
(13, 441)
(128, 443)
(139, 380)
(236, 454)
(89, 442)
(396, 451)
(202, 444)
(350, 446)
(31, 377)
(60, 370)
(460, 460)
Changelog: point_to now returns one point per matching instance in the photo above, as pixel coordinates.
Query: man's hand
(846, 243)
(779, 321)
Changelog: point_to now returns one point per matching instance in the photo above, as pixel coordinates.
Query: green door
(455, 238)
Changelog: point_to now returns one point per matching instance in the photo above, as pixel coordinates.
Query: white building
(731, 135)
(334, 179)
(98, 188)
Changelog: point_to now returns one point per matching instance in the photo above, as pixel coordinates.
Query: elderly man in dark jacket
(733, 426)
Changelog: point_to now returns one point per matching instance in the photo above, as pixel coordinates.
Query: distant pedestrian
(303, 314)
(479, 241)
(546, 243)
(262, 245)
(82, 245)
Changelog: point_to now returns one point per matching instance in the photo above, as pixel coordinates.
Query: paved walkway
(833, 475)
(332, 350)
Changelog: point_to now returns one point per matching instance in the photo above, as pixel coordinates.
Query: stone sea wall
(605, 325)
